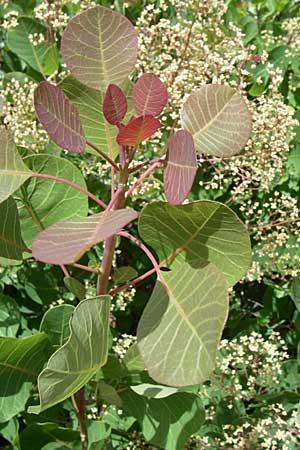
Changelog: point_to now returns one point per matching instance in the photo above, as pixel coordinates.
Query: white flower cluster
(122, 344)
(36, 38)
(122, 299)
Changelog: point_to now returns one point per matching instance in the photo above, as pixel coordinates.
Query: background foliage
(252, 401)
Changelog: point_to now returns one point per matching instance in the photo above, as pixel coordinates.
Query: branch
(79, 407)
(140, 166)
(88, 269)
(141, 178)
(104, 155)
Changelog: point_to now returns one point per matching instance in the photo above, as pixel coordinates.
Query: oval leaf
(138, 130)
(59, 117)
(114, 104)
(13, 172)
(74, 364)
(181, 167)
(56, 324)
(202, 230)
(99, 47)
(218, 118)
(11, 242)
(150, 95)
(186, 322)
(66, 241)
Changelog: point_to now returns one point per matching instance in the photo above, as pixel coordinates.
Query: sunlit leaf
(218, 118)
(150, 95)
(66, 241)
(11, 242)
(13, 172)
(179, 331)
(74, 364)
(21, 360)
(202, 230)
(56, 324)
(166, 422)
(154, 390)
(181, 167)
(133, 360)
(99, 46)
(138, 130)
(59, 117)
(44, 202)
(114, 104)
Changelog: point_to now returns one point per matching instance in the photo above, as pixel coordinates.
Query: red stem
(104, 155)
(88, 269)
(141, 178)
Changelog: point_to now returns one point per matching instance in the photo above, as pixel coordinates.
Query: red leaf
(150, 95)
(181, 167)
(114, 104)
(59, 117)
(138, 130)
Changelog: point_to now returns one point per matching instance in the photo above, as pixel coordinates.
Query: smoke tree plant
(197, 250)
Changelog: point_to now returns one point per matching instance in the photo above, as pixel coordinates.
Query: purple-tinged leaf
(114, 104)
(181, 167)
(138, 130)
(99, 47)
(59, 117)
(66, 241)
(150, 95)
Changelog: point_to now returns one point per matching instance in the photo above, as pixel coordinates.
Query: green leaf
(51, 60)
(123, 274)
(202, 230)
(218, 118)
(56, 324)
(179, 331)
(11, 242)
(13, 172)
(99, 46)
(18, 41)
(76, 287)
(295, 292)
(88, 102)
(21, 360)
(98, 431)
(10, 432)
(74, 364)
(9, 316)
(133, 360)
(168, 422)
(45, 202)
(37, 435)
(154, 390)
(108, 393)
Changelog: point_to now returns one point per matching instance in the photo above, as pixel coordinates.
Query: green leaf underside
(89, 104)
(49, 200)
(76, 287)
(18, 42)
(9, 316)
(167, 422)
(21, 360)
(66, 241)
(202, 230)
(179, 332)
(218, 118)
(154, 390)
(74, 364)
(133, 360)
(99, 46)
(13, 172)
(11, 242)
(56, 324)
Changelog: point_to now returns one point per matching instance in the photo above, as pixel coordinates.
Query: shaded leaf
(154, 390)
(218, 118)
(186, 322)
(13, 172)
(10, 317)
(114, 104)
(138, 130)
(99, 46)
(97, 431)
(37, 435)
(202, 230)
(11, 242)
(150, 95)
(295, 292)
(56, 324)
(74, 364)
(59, 117)
(66, 241)
(18, 41)
(133, 360)
(167, 422)
(21, 360)
(123, 274)
(181, 167)
(48, 200)
(108, 393)
(76, 287)
(10, 432)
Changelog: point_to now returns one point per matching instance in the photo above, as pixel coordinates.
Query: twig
(104, 155)
(141, 178)
(88, 269)
(79, 407)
